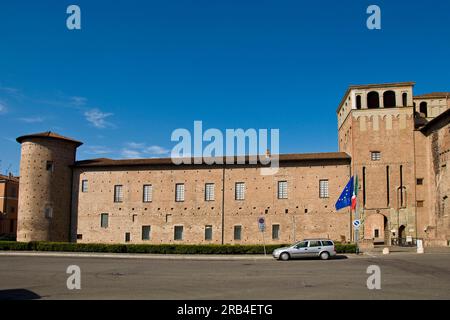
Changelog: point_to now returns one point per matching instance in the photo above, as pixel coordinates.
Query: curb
(133, 256)
(146, 256)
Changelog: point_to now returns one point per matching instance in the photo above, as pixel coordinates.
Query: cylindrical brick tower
(45, 187)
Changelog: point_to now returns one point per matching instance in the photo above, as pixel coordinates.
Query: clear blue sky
(140, 69)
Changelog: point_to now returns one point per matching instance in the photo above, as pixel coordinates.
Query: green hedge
(149, 248)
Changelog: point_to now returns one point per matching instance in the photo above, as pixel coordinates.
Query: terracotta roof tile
(50, 135)
(105, 162)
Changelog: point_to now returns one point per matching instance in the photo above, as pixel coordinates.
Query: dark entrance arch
(373, 100)
(401, 234)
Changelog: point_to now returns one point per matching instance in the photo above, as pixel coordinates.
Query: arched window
(405, 99)
(424, 109)
(389, 99)
(358, 102)
(373, 100)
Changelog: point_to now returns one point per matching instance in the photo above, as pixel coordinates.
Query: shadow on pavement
(18, 294)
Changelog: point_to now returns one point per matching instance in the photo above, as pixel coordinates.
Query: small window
(178, 233)
(146, 232)
(104, 217)
(420, 204)
(84, 186)
(127, 237)
(275, 231)
(375, 155)
(323, 189)
(209, 192)
(208, 233)
(240, 191)
(315, 243)
(420, 182)
(48, 212)
(377, 233)
(147, 193)
(79, 237)
(237, 233)
(282, 190)
(49, 166)
(118, 193)
(179, 192)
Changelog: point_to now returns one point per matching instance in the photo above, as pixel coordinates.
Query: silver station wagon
(308, 248)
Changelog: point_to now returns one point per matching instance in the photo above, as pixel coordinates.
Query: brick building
(396, 144)
(9, 190)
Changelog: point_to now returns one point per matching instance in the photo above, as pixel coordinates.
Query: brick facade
(399, 154)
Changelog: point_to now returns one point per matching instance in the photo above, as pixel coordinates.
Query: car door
(300, 250)
(314, 248)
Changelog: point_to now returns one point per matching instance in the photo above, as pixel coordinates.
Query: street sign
(356, 224)
(261, 223)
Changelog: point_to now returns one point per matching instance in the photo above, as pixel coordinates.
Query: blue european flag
(345, 200)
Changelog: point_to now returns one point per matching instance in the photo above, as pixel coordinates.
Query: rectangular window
(208, 233)
(179, 192)
(419, 181)
(323, 189)
(377, 233)
(127, 237)
(48, 212)
(375, 155)
(209, 192)
(240, 191)
(104, 220)
(118, 193)
(420, 204)
(275, 231)
(84, 186)
(79, 236)
(282, 190)
(147, 193)
(237, 232)
(146, 232)
(178, 233)
(49, 166)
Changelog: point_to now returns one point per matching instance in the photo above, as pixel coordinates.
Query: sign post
(262, 228)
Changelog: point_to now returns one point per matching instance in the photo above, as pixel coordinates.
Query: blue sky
(140, 69)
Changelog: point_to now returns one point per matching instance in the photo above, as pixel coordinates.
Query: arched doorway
(358, 102)
(373, 100)
(401, 234)
(424, 109)
(376, 228)
(389, 99)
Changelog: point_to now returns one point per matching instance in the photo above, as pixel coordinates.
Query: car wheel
(324, 255)
(284, 256)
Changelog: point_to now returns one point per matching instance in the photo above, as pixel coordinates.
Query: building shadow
(18, 294)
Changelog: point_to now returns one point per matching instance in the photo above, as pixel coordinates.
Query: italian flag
(355, 193)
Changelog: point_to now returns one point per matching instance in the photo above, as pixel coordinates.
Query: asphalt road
(403, 276)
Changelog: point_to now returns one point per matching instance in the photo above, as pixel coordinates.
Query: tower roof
(48, 135)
